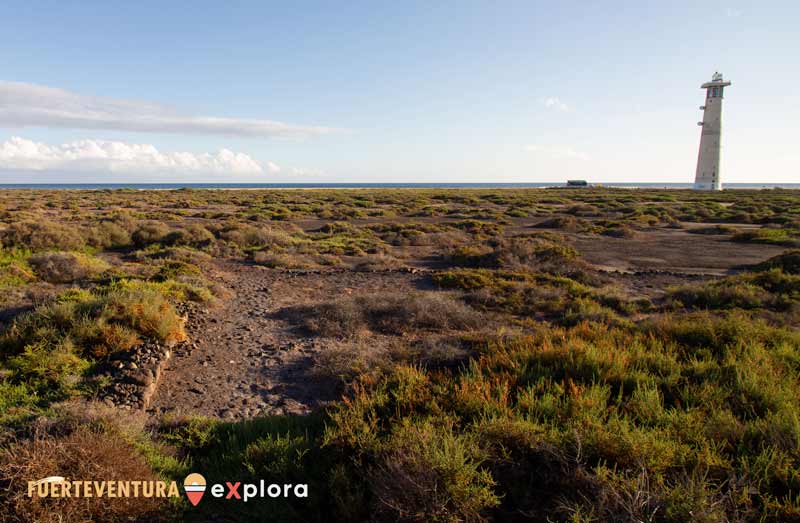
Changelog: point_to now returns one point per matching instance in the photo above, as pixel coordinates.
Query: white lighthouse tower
(707, 177)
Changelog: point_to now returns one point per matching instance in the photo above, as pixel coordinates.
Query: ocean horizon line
(374, 185)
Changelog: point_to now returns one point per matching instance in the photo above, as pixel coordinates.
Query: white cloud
(554, 103)
(99, 156)
(558, 152)
(733, 13)
(30, 105)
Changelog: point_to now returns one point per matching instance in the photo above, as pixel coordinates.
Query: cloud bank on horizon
(102, 156)
(31, 105)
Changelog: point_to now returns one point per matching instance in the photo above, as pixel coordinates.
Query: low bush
(533, 253)
(723, 295)
(432, 473)
(565, 223)
(52, 345)
(172, 270)
(519, 253)
(281, 260)
(345, 361)
(769, 235)
(570, 421)
(85, 452)
(388, 314)
(767, 290)
(788, 262)
(248, 236)
(192, 235)
(713, 230)
(42, 235)
(108, 234)
(377, 263)
(151, 232)
(179, 254)
(182, 289)
(65, 267)
(538, 295)
(619, 231)
(280, 449)
(479, 228)
(15, 271)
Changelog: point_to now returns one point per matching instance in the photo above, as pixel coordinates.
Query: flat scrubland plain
(411, 355)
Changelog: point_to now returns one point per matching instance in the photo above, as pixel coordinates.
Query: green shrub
(581, 415)
(109, 234)
(42, 235)
(65, 267)
(620, 231)
(388, 314)
(430, 473)
(248, 236)
(193, 235)
(55, 340)
(14, 268)
(280, 260)
(277, 456)
(175, 269)
(772, 236)
(788, 262)
(150, 232)
(768, 290)
(48, 367)
(721, 295)
(565, 223)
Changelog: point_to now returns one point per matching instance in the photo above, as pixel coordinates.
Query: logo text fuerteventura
(194, 486)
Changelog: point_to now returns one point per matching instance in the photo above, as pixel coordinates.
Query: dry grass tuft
(81, 454)
(388, 314)
(65, 267)
(281, 260)
(40, 235)
(377, 263)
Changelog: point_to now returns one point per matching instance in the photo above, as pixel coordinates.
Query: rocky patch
(134, 375)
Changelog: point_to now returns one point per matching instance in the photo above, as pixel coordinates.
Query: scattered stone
(135, 380)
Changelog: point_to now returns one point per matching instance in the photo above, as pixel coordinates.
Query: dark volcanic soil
(671, 250)
(243, 359)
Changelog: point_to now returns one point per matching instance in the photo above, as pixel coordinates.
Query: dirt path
(243, 359)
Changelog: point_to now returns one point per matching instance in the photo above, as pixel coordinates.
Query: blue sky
(393, 91)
